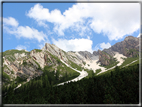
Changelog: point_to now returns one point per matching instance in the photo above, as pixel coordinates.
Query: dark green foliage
(117, 87)
(90, 73)
(97, 71)
(12, 72)
(54, 77)
(39, 68)
(19, 80)
(5, 76)
(24, 63)
(57, 75)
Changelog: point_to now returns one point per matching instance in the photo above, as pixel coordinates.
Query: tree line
(120, 86)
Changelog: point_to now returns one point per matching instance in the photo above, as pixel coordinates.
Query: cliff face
(88, 55)
(22, 64)
(27, 65)
(129, 47)
(105, 58)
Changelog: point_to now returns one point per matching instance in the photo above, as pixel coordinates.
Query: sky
(70, 26)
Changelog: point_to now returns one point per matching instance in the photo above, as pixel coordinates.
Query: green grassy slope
(129, 60)
(13, 51)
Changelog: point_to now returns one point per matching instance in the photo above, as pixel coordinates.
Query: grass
(48, 60)
(137, 62)
(98, 70)
(90, 73)
(37, 64)
(13, 51)
(37, 50)
(56, 58)
(129, 60)
(9, 54)
(6, 67)
(66, 72)
(12, 72)
(75, 65)
(66, 69)
(10, 58)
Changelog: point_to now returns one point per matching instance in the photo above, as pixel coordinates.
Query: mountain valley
(23, 67)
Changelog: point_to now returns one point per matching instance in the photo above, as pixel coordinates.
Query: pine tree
(47, 84)
(57, 75)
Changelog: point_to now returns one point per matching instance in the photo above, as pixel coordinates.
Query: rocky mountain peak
(128, 47)
(88, 55)
(96, 53)
(131, 38)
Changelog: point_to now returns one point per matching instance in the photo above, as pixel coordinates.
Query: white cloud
(25, 31)
(105, 46)
(20, 47)
(139, 35)
(112, 19)
(102, 46)
(74, 44)
(29, 33)
(41, 23)
(10, 21)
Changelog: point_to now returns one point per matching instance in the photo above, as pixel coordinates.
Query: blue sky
(70, 26)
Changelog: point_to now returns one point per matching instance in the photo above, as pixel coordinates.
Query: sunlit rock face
(129, 48)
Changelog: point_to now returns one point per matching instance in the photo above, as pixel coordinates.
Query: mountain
(21, 65)
(51, 66)
(27, 65)
(88, 55)
(129, 48)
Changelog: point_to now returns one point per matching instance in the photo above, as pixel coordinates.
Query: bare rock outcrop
(129, 47)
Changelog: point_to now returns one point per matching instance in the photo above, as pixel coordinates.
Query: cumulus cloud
(102, 46)
(105, 46)
(29, 33)
(112, 19)
(74, 44)
(10, 21)
(21, 47)
(23, 31)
